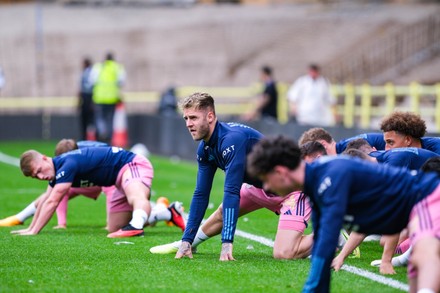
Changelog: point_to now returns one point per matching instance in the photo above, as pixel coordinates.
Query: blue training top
(368, 198)
(410, 158)
(431, 144)
(90, 143)
(374, 139)
(226, 149)
(92, 166)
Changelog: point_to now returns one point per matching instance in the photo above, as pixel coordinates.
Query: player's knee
(285, 253)
(219, 213)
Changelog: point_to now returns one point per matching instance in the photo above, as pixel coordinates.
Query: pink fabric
(425, 217)
(140, 170)
(108, 191)
(404, 246)
(91, 192)
(295, 212)
(294, 209)
(424, 221)
(253, 198)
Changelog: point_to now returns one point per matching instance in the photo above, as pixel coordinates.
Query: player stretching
(225, 146)
(405, 129)
(332, 147)
(368, 198)
(293, 210)
(104, 166)
(159, 212)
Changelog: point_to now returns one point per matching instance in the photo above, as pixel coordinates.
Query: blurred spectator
(107, 78)
(268, 101)
(2, 80)
(85, 103)
(168, 102)
(311, 102)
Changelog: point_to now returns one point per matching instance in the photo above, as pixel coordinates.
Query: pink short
(424, 221)
(294, 209)
(141, 170)
(91, 192)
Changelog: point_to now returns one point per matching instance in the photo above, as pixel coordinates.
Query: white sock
(401, 260)
(200, 237)
(159, 213)
(138, 219)
(28, 212)
(425, 290)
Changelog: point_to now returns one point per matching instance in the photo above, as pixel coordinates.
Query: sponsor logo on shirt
(228, 150)
(59, 175)
(116, 149)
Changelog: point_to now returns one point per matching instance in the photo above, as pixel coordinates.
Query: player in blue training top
(332, 147)
(62, 146)
(409, 158)
(94, 166)
(158, 212)
(405, 129)
(367, 198)
(223, 146)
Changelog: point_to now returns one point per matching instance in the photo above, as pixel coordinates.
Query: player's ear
(408, 140)
(281, 169)
(211, 116)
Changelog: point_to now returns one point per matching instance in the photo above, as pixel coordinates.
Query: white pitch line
(268, 242)
(9, 160)
(351, 269)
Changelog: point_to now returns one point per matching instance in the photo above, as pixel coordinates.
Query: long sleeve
(329, 210)
(199, 201)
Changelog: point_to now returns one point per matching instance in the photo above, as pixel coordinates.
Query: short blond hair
(199, 101)
(26, 160)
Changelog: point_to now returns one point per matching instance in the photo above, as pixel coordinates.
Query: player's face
(279, 182)
(394, 139)
(42, 169)
(198, 123)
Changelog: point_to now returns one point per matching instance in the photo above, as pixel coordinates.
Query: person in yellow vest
(107, 78)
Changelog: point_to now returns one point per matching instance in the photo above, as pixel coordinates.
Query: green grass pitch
(82, 259)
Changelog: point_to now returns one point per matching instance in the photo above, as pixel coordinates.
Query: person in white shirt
(311, 102)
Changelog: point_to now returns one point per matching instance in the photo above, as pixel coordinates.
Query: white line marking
(268, 242)
(375, 277)
(351, 269)
(9, 160)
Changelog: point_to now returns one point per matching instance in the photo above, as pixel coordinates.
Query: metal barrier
(357, 105)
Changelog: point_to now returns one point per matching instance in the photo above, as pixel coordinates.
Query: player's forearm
(389, 247)
(47, 210)
(62, 211)
(354, 240)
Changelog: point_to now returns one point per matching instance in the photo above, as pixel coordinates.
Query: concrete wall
(42, 46)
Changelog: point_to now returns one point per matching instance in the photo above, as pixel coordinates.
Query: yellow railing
(364, 102)
(358, 104)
